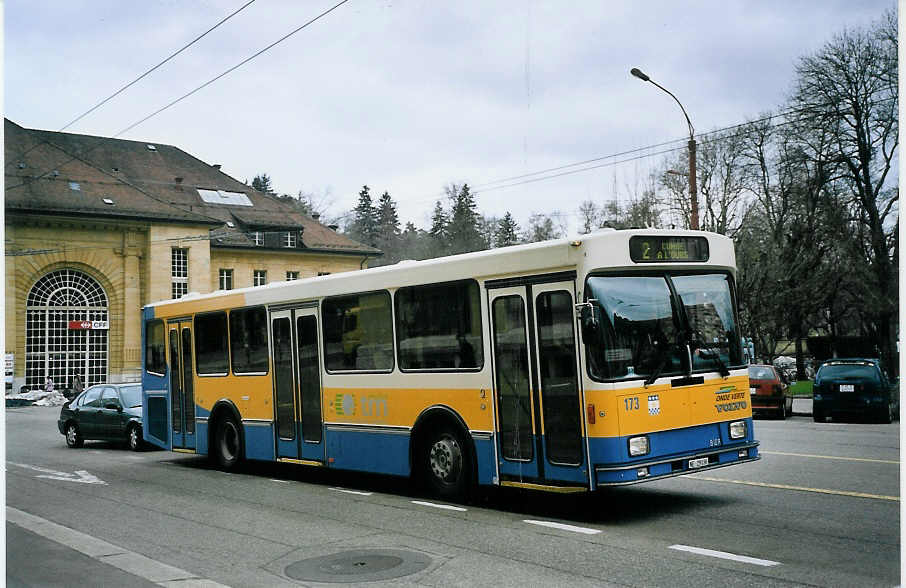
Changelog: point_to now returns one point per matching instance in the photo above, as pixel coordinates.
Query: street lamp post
(693, 189)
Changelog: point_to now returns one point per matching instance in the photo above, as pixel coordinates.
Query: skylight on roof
(74, 186)
(224, 197)
(108, 201)
(231, 224)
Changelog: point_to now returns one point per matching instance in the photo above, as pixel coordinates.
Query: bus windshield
(644, 329)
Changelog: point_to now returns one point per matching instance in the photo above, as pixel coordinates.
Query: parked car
(770, 391)
(855, 388)
(110, 412)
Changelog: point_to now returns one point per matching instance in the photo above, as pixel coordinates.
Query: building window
(179, 272)
(66, 324)
(258, 238)
(290, 276)
(289, 239)
(259, 278)
(226, 279)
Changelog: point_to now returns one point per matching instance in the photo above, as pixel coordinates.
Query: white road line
(356, 492)
(724, 555)
(281, 481)
(440, 506)
(563, 527)
(128, 561)
(865, 459)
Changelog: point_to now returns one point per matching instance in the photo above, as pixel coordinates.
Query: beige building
(96, 228)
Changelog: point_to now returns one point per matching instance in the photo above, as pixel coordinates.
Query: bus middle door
(297, 385)
(539, 404)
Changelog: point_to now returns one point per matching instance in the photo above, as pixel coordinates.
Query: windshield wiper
(662, 349)
(707, 352)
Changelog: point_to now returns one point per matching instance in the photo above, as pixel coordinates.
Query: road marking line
(799, 488)
(441, 506)
(128, 561)
(80, 476)
(725, 555)
(893, 461)
(563, 527)
(281, 481)
(356, 492)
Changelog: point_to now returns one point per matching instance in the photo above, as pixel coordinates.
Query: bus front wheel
(446, 464)
(227, 448)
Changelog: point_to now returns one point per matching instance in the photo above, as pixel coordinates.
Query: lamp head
(639, 74)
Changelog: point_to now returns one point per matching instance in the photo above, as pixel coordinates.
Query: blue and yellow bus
(568, 365)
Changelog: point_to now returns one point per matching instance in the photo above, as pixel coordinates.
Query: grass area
(801, 389)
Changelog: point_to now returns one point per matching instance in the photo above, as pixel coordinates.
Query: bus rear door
(297, 385)
(539, 400)
(182, 389)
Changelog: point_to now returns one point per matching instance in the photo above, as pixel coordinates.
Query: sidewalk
(802, 407)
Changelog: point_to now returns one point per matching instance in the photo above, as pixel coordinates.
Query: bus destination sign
(664, 249)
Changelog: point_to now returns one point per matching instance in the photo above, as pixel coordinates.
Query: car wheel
(227, 448)
(73, 436)
(447, 464)
(134, 438)
(887, 415)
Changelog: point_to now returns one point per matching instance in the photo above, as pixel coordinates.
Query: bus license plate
(847, 388)
(697, 463)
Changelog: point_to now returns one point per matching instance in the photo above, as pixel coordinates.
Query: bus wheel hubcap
(445, 458)
(230, 442)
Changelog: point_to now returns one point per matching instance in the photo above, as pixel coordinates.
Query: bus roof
(602, 249)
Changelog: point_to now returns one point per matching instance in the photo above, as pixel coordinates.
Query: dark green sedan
(109, 412)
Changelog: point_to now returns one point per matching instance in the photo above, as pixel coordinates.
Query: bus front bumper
(667, 467)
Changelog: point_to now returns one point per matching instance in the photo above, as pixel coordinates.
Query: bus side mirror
(585, 312)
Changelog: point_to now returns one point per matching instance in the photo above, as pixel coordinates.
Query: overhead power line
(235, 67)
(184, 96)
(139, 78)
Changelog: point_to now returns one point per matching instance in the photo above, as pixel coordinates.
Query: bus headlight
(737, 429)
(638, 446)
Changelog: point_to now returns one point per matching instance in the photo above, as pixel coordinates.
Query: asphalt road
(821, 508)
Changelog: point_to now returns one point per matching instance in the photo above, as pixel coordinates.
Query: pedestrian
(76, 385)
(48, 384)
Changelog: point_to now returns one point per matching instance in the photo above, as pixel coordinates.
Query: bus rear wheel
(447, 465)
(227, 449)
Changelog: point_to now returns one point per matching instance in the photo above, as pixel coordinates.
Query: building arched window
(66, 325)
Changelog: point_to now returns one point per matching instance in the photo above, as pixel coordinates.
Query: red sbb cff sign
(88, 325)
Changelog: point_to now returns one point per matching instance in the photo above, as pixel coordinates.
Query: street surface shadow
(617, 506)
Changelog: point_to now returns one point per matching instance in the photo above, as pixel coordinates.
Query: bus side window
(248, 340)
(155, 344)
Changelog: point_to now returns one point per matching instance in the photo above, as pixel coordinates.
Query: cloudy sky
(410, 95)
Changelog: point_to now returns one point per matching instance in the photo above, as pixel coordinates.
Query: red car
(770, 392)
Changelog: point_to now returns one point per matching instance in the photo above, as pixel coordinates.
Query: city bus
(569, 365)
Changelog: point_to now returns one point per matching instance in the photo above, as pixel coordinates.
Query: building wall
(112, 253)
(131, 261)
(276, 263)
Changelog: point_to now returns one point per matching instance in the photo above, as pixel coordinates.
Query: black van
(855, 388)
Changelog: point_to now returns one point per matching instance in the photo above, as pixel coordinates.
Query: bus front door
(539, 400)
(182, 389)
(297, 385)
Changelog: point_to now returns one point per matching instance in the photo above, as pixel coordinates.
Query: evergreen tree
(364, 222)
(507, 231)
(388, 230)
(262, 183)
(463, 227)
(439, 234)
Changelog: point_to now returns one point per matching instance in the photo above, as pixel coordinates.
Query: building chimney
(315, 215)
(216, 166)
(178, 180)
(333, 227)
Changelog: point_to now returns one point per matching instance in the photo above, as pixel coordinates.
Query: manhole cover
(363, 565)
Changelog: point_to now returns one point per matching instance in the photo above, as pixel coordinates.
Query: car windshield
(132, 395)
(757, 372)
(641, 325)
(849, 371)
